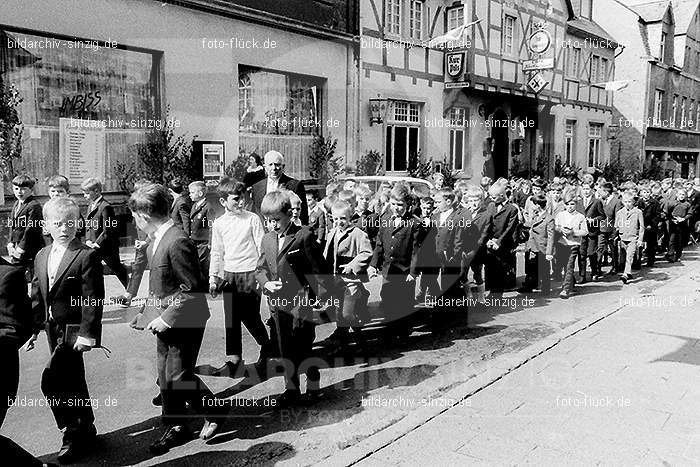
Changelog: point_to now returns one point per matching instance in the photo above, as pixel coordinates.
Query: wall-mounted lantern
(377, 110)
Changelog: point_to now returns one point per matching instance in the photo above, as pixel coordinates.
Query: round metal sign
(539, 42)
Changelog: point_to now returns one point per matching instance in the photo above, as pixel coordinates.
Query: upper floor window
(595, 137)
(574, 61)
(587, 9)
(662, 47)
(603, 72)
(415, 19)
(455, 17)
(392, 21)
(509, 33)
(684, 107)
(658, 104)
(595, 61)
(674, 109)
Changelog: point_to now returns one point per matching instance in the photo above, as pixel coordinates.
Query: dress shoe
(564, 294)
(229, 367)
(210, 429)
(157, 400)
(121, 300)
(582, 279)
(624, 278)
(174, 436)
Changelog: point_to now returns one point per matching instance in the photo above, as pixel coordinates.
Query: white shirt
(158, 234)
(273, 184)
(444, 215)
(235, 243)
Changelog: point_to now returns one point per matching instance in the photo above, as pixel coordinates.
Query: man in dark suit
(25, 229)
(651, 211)
(592, 209)
(16, 326)
(202, 217)
(176, 299)
(606, 238)
(277, 179)
(500, 262)
(181, 207)
(101, 232)
(293, 274)
(67, 295)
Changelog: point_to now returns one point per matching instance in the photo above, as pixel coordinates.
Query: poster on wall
(212, 161)
(81, 149)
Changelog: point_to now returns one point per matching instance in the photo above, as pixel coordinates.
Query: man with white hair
(276, 180)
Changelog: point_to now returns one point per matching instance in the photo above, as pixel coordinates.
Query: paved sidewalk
(624, 391)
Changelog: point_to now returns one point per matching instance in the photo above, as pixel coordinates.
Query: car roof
(387, 178)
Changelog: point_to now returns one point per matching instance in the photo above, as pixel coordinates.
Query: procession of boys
(265, 242)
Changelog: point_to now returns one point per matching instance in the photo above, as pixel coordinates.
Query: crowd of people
(310, 255)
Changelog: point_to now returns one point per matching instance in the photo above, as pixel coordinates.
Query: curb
(499, 367)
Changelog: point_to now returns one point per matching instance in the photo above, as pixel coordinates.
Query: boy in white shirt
(571, 227)
(235, 247)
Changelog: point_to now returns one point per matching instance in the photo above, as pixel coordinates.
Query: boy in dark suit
(606, 238)
(177, 297)
(202, 217)
(59, 186)
(592, 209)
(67, 297)
(26, 225)
(478, 222)
(16, 326)
(428, 266)
(651, 211)
(500, 263)
(396, 251)
(678, 213)
(101, 229)
(293, 274)
(317, 217)
(181, 207)
(539, 247)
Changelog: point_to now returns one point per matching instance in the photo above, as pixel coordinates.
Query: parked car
(375, 180)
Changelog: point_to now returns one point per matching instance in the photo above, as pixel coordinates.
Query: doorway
(499, 133)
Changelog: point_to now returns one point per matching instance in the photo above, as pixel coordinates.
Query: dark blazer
(26, 227)
(397, 248)
(478, 228)
(16, 319)
(317, 224)
(180, 213)
(593, 210)
(651, 211)
(541, 237)
(78, 279)
(176, 284)
(260, 190)
(301, 267)
(610, 209)
(101, 228)
(505, 223)
(201, 218)
(444, 244)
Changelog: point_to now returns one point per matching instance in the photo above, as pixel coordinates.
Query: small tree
(11, 128)
(165, 156)
(324, 164)
(237, 168)
(371, 163)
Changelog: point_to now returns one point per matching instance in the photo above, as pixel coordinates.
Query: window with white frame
(595, 61)
(392, 20)
(415, 19)
(455, 17)
(658, 106)
(458, 135)
(674, 110)
(595, 136)
(691, 123)
(402, 135)
(509, 35)
(684, 106)
(574, 61)
(662, 47)
(603, 72)
(569, 141)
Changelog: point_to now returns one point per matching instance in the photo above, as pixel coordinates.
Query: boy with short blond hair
(629, 227)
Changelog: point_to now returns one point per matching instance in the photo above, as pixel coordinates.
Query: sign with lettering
(455, 64)
(81, 149)
(539, 64)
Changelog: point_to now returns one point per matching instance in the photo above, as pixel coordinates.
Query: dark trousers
(295, 339)
(536, 270)
(589, 250)
(12, 454)
(203, 251)
(651, 237)
(566, 255)
(428, 282)
(397, 299)
(177, 351)
(63, 382)
(114, 262)
(676, 242)
(242, 306)
(606, 243)
(500, 269)
(27, 263)
(450, 285)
